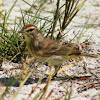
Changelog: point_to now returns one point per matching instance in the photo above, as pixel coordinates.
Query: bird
(48, 50)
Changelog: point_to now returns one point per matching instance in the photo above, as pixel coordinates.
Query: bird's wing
(53, 48)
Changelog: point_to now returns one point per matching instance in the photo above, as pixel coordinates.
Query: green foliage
(11, 45)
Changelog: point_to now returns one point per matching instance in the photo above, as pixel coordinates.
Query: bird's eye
(29, 30)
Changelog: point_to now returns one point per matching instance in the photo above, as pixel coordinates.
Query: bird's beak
(21, 31)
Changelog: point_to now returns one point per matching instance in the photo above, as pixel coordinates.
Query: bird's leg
(56, 70)
(26, 64)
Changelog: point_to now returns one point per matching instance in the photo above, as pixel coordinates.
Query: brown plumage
(42, 48)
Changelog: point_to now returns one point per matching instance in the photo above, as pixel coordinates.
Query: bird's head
(30, 31)
(28, 28)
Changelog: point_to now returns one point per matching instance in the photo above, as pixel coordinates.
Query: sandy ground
(76, 87)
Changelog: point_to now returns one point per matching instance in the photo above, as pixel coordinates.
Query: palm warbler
(44, 49)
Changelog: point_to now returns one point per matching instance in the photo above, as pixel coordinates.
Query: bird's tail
(90, 55)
